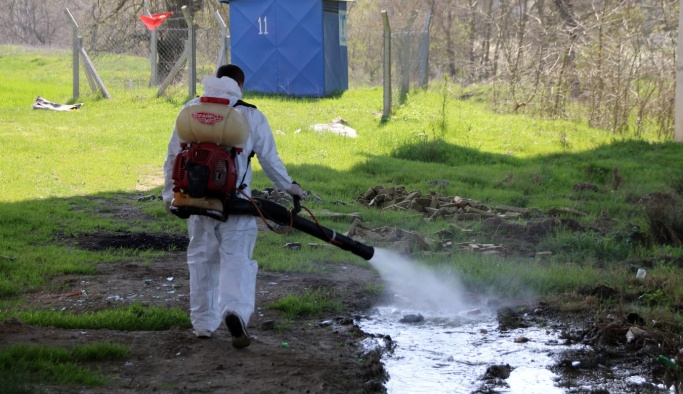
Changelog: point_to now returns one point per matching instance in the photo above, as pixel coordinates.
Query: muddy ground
(305, 355)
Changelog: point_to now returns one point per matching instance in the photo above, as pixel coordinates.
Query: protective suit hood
(223, 88)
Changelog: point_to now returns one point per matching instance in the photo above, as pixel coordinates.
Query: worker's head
(231, 71)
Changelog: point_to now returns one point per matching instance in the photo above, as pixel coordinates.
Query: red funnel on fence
(153, 21)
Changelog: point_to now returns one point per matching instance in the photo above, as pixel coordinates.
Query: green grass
(134, 317)
(314, 304)
(65, 174)
(23, 365)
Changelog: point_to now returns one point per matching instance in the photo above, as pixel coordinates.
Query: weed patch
(22, 363)
(310, 304)
(135, 317)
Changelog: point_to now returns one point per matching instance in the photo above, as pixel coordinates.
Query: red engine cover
(205, 170)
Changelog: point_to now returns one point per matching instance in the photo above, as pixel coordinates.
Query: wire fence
(129, 56)
(139, 58)
(120, 48)
(409, 60)
(405, 57)
(124, 52)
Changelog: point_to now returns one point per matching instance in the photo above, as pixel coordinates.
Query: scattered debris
(41, 103)
(634, 333)
(151, 197)
(523, 224)
(337, 126)
(341, 120)
(400, 240)
(498, 372)
(324, 323)
(293, 246)
(433, 205)
(412, 319)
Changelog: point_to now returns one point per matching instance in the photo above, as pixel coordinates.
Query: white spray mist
(418, 286)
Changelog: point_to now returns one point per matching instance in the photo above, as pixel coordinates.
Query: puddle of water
(451, 349)
(452, 354)
(454, 342)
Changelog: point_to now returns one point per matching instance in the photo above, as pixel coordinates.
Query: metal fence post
(387, 66)
(75, 44)
(224, 52)
(153, 56)
(153, 51)
(192, 55)
(404, 58)
(423, 51)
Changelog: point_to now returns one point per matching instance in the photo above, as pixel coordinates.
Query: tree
(32, 22)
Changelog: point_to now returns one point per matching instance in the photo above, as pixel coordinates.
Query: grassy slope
(59, 168)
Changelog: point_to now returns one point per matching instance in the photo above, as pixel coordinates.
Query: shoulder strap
(243, 185)
(245, 104)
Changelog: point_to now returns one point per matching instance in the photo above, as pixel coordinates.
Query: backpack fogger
(205, 176)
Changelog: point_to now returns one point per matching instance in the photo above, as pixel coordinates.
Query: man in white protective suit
(219, 254)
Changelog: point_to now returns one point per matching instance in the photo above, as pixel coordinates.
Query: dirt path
(319, 357)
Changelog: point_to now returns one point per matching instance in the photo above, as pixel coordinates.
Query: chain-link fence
(118, 47)
(136, 57)
(129, 56)
(124, 52)
(409, 60)
(405, 57)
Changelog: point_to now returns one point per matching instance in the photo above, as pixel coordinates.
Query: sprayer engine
(205, 170)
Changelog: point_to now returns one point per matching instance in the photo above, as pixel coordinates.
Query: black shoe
(240, 336)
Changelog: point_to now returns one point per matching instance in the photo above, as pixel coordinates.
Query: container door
(253, 43)
(300, 48)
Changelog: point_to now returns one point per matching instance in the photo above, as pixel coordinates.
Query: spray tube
(279, 214)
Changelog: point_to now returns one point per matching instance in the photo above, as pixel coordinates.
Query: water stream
(444, 343)
(452, 353)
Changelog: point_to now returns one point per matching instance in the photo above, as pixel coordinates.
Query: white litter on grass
(41, 103)
(336, 128)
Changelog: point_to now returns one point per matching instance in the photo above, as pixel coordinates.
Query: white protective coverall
(219, 255)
